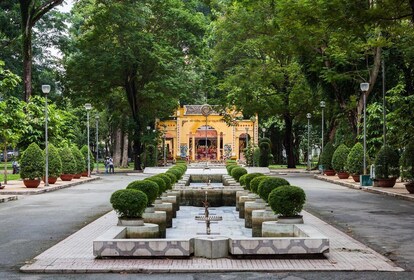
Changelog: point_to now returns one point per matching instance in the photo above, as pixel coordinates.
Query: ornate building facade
(198, 133)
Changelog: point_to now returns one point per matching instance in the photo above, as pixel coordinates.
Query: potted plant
(80, 162)
(84, 150)
(249, 177)
(268, 185)
(237, 172)
(129, 204)
(148, 187)
(68, 164)
(339, 161)
(326, 159)
(32, 166)
(255, 183)
(387, 168)
(54, 164)
(162, 186)
(287, 202)
(407, 167)
(355, 161)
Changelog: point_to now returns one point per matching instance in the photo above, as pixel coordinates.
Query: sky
(66, 7)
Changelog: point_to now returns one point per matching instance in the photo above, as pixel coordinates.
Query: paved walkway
(74, 255)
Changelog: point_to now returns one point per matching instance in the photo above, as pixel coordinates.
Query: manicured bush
(80, 160)
(129, 203)
(68, 161)
(264, 160)
(265, 140)
(162, 187)
(166, 178)
(172, 177)
(355, 160)
(339, 158)
(237, 172)
(387, 163)
(230, 168)
(146, 186)
(255, 182)
(242, 180)
(256, 156)
(250, 177)
(407, 163)
(55, 163)
(179, 170)
(182, 166)
(268, 185)
(150, 156)
(84, 150)
(287, 201)
(32, 163)
(231, 162)
(326, 156)
(177, 173)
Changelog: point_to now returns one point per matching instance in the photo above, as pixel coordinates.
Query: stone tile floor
(74, 254)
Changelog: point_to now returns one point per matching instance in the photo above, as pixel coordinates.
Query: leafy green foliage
(55, 163)
(268, 185)
(129, 203)
(167, 180)
(84, 150)
(172, 177)
(407, 163)
(242, 180)
(68, 161)
(256, 156)
(355, 160)
(339, 158)
(162, 187)
(148, 187)
(230, 168)
(80, 160)
(326, 156)
(237, 172)
(249, 177)
(150, 155)
(255, 183)
(287, 201)
(176, 172)
(387, 163)
(264, 154)
(32, 163)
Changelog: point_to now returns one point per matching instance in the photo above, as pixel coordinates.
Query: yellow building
(198, 133)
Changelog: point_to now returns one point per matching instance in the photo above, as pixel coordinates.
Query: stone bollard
(144, 231)
(167, 207)
(249, 206)
(171, 199)
(260, 216)
(238, 194)
(242, 200)
(156, 217)
(177, 194)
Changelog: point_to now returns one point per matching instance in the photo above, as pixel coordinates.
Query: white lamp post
(46, 90)
(308, 115)
(323, 105)
(247, 137)
(263, 130)
(164, 146)
(364, 88)
(88, 107)
(97, 143)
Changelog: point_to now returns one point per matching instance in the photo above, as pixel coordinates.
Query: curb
(366, 189)
(6, 198)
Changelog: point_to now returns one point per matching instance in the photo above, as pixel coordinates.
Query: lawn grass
(9, 177)
(284, 166)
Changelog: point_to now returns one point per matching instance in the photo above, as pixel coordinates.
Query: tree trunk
(5, 163)
(124, 163)
(117, 147)
(288, 142)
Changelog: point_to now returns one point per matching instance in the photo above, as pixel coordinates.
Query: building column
(193, 149)
(218, 146)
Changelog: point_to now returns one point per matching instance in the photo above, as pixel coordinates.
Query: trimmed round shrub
(387, 163)
(265, 140)
(55, 163)
(150, 155)
(167, 180)
(129, 203)
(181, 166)
(256, 156)
(264, 160)
(242, 180)
(146, 186)
(255, 182)
(268, 185)
(287, 201)
(32, 163)
(326, 156)
(231, 162)
(80, 160)
(407, 163)
(68, 161)
(237, 172)
(355, 160)
(162, 187)
(250, 177)
(339, 158)
(84, 150)
(230, 168)
(172, 177)
(177, 173)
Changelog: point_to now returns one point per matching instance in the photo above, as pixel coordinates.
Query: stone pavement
(74, 255)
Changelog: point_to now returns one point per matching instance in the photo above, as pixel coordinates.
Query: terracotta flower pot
(50, 180)
(85, 173)
(329, 172)
(31, 183)
(410, 187)
(385, 183)
(343, 175)
(66, 177)
(355, 177)
(77, 176)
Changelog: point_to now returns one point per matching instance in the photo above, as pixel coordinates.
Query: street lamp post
(263, 130)
(364, 88)
(247, 137)
(322, 104)
(97, 143)
(164, 146)
(46, 90)
(88, 107)
(308, 115)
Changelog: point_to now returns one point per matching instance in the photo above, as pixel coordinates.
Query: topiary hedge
(55, 163)
(146, 186)
(339, 158)
(166, 179)
(84, 150)
(287, 201)
(237, 172)
(230, 168)
(32, 163)
(242, 180)
(326, 156)
(268, 185)
(80, 160)
(68, 161)
(407, 163)
(250, 177)
(255, 182)
(177, 173)
(162, 187)
(265, 152)
(129, 203)
(150, 156)
(387, 163)
(172, 177)
(355, 160)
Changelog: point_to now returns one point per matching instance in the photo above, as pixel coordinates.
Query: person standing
(106, 165)
(111, 165)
